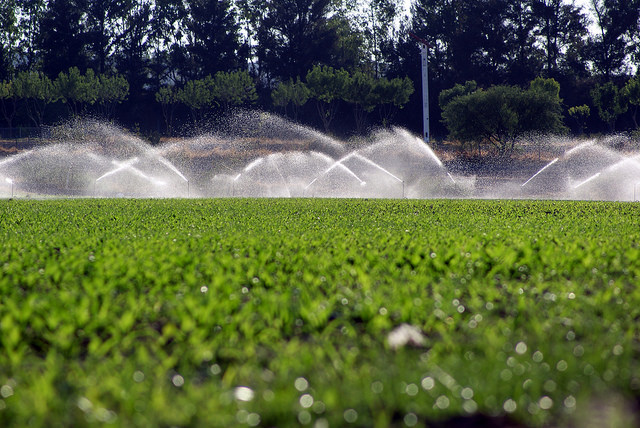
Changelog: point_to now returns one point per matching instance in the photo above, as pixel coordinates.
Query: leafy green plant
(276, 312)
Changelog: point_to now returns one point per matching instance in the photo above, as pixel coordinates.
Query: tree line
(281, 52)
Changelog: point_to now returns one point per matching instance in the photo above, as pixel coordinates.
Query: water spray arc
(91, 159)
(10, 181)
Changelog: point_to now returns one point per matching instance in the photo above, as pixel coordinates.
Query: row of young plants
(277, 312)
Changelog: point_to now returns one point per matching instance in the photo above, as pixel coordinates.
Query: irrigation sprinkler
(424, 45)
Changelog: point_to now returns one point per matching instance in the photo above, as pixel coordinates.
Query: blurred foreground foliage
(276, 312)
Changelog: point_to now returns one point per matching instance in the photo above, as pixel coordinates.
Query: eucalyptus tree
(378, 25)
(102, 25)
(295, 35)
(561, 28)
(131, 54)
(30, 14)
(213, 39)
(9, 37)
(474, 40)
(61, 38)
(611, 47)
(168, 60)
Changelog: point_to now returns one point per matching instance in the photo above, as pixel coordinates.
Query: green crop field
(286, 312)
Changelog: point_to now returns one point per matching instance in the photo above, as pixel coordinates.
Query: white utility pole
(425, 86)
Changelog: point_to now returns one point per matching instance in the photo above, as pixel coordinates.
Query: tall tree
(295, 35)
(8, 37)
(213, 37)
(378, 27)
(101, 21)
(30, 14)
(132, 50)
(62, 41)
(167, 51)
(610, 48)
(561, 30)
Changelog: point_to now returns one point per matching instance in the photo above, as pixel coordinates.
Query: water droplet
(510, 406)
(204, 289)
(578, 351)
(411, 389)
(319, 407)
(617, 350)
(177, 380)
(321, 423)
(138, 376)
(304, 417)
(350, 415)
(570, 402)
(377, 387)
(301, 384)
(521, 348)
(410, 419)
(506, 375)
(545, 403)
(253, 419)
(549, 385)
(6, 391)
(562, 365)
(427, 383)
(466, 393)
(215, 369)
(84, 404)
(268, 395)
(243, 393)
(442, 402)
(537, 356)
(470, 406)
(306, 401)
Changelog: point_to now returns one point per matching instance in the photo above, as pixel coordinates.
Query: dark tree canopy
(158, 43)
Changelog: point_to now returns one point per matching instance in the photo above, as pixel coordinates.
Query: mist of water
(256, 154)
